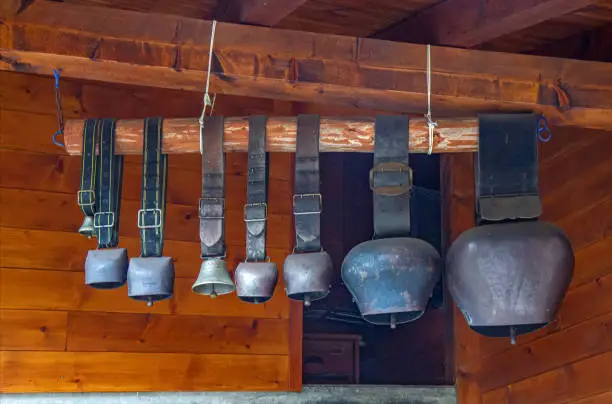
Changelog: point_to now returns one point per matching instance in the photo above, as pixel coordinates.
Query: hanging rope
(60, 113)
(431, 124)
(206, 100)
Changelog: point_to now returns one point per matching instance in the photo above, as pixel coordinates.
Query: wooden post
(338, 134)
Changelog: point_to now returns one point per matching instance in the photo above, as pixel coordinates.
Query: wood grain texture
(337, 134)
(257, 12)
(189, 342)
(589, 338)
(364, 73)
(62, 290)
(467, 24)
(182, 221)
(106, 332)
(126, 372)
(458, 206)
(566, 384)
(61, 174)
(346, 17)
(32, 330)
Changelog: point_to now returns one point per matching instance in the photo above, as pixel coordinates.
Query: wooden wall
(570, 361)
(56, 335)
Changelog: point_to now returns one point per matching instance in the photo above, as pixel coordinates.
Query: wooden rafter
(125, 47)
(337, 135)
(469, 23)
(257, 12)
(10, 8)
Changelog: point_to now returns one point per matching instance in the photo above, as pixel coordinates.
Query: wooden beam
(588, 45)
(337, 135)
(11, 8)
(469, 23)
(257, 12)
(126, 47)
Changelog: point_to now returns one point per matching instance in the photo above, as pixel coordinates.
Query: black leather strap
(256, 209)
(152, 215)
(507, 168)
(391, 177)
(110, 173)
(307, 200)
(212, 203)
(86, 197)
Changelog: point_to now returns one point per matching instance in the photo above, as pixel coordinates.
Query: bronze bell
(87, 228)
(213, 279)
(255, 281)
(392, 279)
(509, 279)
(150, 279)
(308, 276)
(106, 268)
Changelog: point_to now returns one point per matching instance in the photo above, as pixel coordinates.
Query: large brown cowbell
(509, 278)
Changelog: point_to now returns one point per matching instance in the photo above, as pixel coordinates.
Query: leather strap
(256, 209)
(391, 177)
(152, 215)
(86, 197)
(507, 168)
(307, 200)
(212, 203)
(110, 173)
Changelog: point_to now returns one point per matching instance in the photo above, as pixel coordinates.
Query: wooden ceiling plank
(11, 8)
(257, 12)
(469, 23)
(125, 47)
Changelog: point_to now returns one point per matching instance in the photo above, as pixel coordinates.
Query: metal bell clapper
(255, 281)
(87, 228)
(308, 276)
(213, 279)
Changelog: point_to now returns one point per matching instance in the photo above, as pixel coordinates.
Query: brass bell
(255, 281)
(87, 228)
(213, 279)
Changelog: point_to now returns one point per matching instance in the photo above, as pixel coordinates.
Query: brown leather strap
(307, 200)
(256, 209)
(212, 203)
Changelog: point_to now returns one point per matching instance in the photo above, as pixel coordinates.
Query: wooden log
(337, 135)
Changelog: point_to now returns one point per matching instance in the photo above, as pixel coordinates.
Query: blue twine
(544, 129)
(55, 141)
(58, 101)
(57, 73)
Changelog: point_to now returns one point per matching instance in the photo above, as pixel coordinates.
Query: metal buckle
(82, 193)
(318, 197)
(209, 201)
(256, 205)
(158, 218)
(391, 190)
(110, 222)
